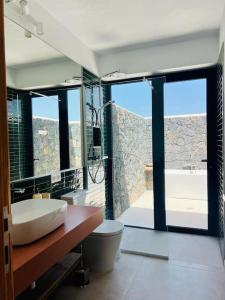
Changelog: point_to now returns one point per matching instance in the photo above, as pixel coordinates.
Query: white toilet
(100, 248)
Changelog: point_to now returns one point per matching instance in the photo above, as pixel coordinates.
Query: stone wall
(131, 150)
(46, 145)
(185, 146)
(185, 142)
(75, 144)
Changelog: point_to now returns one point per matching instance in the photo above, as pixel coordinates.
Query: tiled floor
(179, 212)
(193, 272)
(146, 242)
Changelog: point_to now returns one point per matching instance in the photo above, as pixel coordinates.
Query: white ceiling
(109, 24)
(21, 50)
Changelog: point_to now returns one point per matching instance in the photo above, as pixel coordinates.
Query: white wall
(194, 52)
(222, 36)
(200, 50)
(11, 77)
(51, 73)
(55, 34)
(222, 29)
(221, 41)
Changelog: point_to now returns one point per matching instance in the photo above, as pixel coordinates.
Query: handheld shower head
(105, 105)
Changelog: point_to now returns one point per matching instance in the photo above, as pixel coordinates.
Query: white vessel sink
(34, 218)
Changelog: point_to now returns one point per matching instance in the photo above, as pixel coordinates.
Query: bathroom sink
(34, 218)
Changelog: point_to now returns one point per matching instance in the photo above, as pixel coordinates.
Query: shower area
(179, 147)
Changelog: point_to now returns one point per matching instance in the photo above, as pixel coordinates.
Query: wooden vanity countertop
(31, 261)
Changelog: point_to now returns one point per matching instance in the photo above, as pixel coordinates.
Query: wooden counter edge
(34, 268)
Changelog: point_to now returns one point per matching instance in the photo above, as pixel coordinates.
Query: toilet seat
(108, 228)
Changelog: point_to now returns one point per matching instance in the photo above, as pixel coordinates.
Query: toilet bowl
(101, 247)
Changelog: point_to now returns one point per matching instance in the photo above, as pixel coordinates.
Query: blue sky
(74, 105)
(48, 107)
(45, 107)
(186, 97)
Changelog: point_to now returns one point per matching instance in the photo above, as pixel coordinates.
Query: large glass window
(45, 118)
(19, 136)
(74, 118)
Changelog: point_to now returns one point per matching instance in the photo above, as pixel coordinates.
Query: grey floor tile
(161, 280)
(145, 242)
(195, 249)
(194, 271)
(110, 286)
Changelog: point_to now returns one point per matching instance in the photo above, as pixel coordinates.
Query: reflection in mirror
(18, 135)
(74, 127)
(35, 133)
(45, 121)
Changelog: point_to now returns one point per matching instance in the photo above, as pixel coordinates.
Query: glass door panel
(185, 132)
(132, 153)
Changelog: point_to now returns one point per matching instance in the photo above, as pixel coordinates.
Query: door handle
(204, 160)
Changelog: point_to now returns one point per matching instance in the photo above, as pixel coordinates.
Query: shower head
(117, 74)
(44, 96)
(111, 73)
(105, 105)
(74, 80)
(148, 82)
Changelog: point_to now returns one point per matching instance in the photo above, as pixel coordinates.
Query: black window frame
(208, 73)
(63, 122)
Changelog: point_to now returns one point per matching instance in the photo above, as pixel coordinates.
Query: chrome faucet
(18, 191)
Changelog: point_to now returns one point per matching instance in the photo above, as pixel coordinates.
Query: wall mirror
(44, 106)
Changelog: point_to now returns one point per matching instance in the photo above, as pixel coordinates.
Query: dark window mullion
(158, 153)
(63, 130)
(28, 120)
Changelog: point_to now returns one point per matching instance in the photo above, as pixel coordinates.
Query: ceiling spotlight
(39, 28)
(27, 34)
(24, 9)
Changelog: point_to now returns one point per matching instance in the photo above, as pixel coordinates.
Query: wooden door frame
(6, 274)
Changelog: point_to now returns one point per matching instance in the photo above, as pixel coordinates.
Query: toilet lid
(108, 228)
